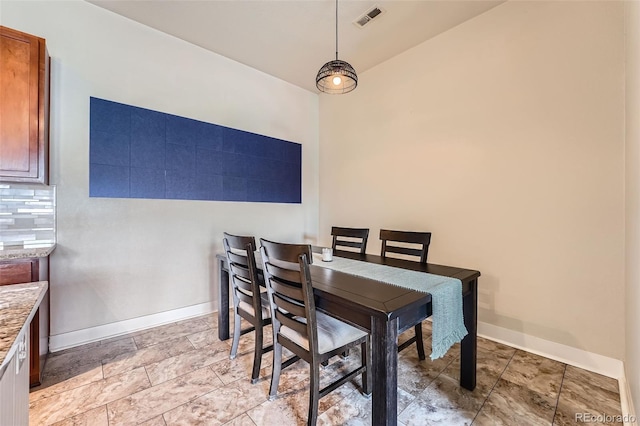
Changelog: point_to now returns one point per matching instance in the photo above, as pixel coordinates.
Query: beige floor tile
(590, 396)
(537, 373)
(292, 407)
(170, 332)
(586, 394)
(211, 320)
(206, 337)
(444, 402)
(569, 413)
(240, 368)
(291, 376)
(95, 417)
(220, 406)
(156, 421)
(145, 356)
(415, 375)
(186, 362)
(66, 380)
(492, 359)
(356, 409)
(513, 404)
(89, 355)
(247, 341)
(151, 402)
(84, 398)
(595, 380)
(90, 346)
(243, 420)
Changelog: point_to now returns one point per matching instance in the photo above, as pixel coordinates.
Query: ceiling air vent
(368, 16)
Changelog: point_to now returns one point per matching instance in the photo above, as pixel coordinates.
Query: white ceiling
(292, 39)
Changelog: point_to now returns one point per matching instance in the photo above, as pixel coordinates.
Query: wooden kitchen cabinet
(19, 271)
(26, 271)
(24, 107)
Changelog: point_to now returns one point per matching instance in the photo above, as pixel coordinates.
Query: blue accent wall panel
(139, 153)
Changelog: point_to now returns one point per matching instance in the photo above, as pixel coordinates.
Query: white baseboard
(590, 361)
(626, 401)
(62, 341)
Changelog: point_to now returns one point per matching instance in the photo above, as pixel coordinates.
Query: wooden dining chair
(350, 238)
(249, 301)
(413, 244)
(311, 335)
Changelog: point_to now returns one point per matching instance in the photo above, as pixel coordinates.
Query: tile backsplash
(27, 215)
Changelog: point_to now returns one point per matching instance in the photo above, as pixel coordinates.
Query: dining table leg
(223, 301)
(384, 368)
(469, 345)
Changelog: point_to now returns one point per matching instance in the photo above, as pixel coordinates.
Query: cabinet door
(24, 107)
(7, 393)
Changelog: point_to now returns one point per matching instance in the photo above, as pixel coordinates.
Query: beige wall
(632, 156)
(119, 259)
(505, 138)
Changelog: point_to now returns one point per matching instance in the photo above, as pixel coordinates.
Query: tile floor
(180, 374)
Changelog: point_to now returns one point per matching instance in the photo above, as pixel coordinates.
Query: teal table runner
(446, 296)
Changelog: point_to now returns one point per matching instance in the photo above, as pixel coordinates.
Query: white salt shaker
(327, 254)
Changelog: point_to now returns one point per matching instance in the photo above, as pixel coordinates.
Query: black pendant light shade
(336, 77)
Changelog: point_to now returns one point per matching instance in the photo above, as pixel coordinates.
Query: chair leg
(257, 355)
(275, 372)
(365, 358)
(314, 392)
(419, 341)
(236, 334)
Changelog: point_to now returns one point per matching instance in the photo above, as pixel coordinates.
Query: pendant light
(336, 77)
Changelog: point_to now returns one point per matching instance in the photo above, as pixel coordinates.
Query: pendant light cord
(336, 30)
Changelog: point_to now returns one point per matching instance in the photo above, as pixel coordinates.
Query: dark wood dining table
(385, 311)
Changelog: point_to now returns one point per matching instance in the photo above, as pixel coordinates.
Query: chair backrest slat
(404, 250)
(359, 234)
(288, 290)
(294, 324)
(247, 298)
(240, 271)
(243, 285)
(421, 238)
(238, 259)
(346, 243)
(288, 306)
(292, 276)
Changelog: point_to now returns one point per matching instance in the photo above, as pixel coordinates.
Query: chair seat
(332, 334)
(266, 312)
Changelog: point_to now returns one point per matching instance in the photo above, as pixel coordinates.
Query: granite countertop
(18, 305)
(11, 253)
